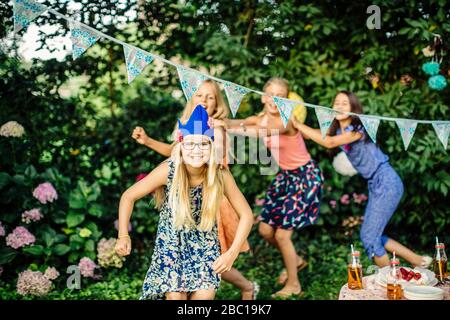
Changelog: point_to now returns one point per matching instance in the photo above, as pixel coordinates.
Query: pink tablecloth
(373, 291)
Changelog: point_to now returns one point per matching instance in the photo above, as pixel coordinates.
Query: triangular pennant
(442, 130)
(190, 81)
(25, 11)
(136, 60)
(407, 129)
(82, 38)
(371, 125)
(235, 94)
(325, 118)
(285, 108)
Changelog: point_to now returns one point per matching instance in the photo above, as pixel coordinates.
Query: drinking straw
(438, 257)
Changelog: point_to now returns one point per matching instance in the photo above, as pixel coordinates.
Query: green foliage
(78, 117)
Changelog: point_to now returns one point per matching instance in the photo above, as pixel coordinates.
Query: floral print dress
(182, 259)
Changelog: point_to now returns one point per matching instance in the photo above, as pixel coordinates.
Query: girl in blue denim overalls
(385, 186)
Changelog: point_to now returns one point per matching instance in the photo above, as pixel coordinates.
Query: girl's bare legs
(400, 251)
(403, 252)
(203, 295)
(382, 261)
(268, 233)
(238, 280)
(287, 249)
(176, 296)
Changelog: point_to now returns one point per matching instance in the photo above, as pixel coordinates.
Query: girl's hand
(216, 123)
(123, 246)
(295, 123)
(139, 135)
(224, 262)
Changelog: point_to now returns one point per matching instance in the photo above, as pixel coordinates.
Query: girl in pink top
(293, 198)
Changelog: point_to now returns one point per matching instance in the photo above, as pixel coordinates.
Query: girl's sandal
(282, 278)
(255, 290)
(286, 295)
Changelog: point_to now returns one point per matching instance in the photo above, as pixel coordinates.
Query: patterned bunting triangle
(371, 125)
(285, 107)
(325, 118)
(235, 94)
(24, 12)
(442, 131)
(82, 38)
(190, 81)
(407, 129)
(136, 60)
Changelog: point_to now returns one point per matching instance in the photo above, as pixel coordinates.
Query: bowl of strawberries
(409, 276)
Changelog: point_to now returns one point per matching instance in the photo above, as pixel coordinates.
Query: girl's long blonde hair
(178, 195)
(278, 81)
(221, 111)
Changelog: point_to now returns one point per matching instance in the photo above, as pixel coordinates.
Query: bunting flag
(371, 125)
(325, 118)
(82, 39)
(190, 81)
(26, 11)
(442, 131)
(235, 94)
(407, 129)
(136, 60)
(285, 108)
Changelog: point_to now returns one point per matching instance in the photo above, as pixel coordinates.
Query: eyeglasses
(204, 145)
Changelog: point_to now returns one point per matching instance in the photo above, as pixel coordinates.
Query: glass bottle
(440, 262)
(394, 288)
(354, 270)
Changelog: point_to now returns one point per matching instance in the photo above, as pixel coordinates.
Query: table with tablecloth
(374, 291)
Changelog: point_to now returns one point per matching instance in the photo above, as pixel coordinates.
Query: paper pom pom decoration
(431, 68)
(437, 82)
(300, 109)
(343, 166)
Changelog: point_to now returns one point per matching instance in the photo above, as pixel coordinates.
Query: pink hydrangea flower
(141, 176)
(259, 202)
(2, 230)
(51, 273)
(107, 256)
(20, 237)
(33, 283)
(333, 203)
(116, 225)
(87, 267)
(31, 215)
(359, 198)
(345, 199)
(45, 192)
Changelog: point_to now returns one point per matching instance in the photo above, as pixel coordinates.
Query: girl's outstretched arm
(274, 127)
(154, 180)
(141, 137)
(329, 141)
(252, 120)
(242, 208)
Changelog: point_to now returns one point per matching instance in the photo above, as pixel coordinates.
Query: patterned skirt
(293, 198)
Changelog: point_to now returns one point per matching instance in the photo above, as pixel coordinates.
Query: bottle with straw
(440, 262)
(354, 270)
(394, 288)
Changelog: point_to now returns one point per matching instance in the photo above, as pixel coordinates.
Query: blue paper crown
(197, 124)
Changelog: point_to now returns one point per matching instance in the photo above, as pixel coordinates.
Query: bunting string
(136, 59)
